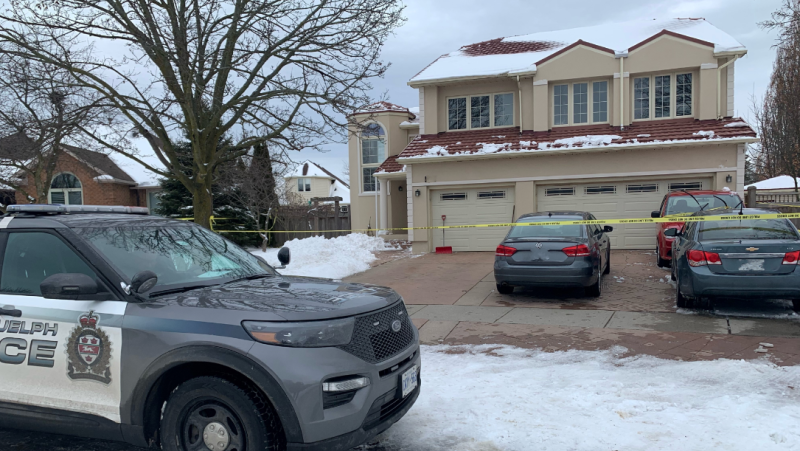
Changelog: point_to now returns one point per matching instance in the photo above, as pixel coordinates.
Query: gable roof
(383, 107)
(311, 169)
(511, 141)
(521, 54)
(100, 162)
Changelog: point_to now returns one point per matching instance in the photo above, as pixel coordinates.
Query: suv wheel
(661, 262)
(504, 288)
(210, 413)
(597, 288)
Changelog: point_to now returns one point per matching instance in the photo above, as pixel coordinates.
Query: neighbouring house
(783, 188)
(85, 177)
(310, 180)
(605, 119)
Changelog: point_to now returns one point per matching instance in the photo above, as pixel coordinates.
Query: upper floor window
(671, 96)
(589, 103)
(303, 184)
(66, 189)
(373, 153)
(480, 111)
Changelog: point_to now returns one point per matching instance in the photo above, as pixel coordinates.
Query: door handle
(9, 310)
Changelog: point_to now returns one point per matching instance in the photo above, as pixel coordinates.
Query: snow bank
(334, 258)
(517, 399)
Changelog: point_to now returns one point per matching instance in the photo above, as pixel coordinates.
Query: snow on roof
(341, 190)
(779, 182)
(519, 54)
(310, 169)
(141, 175)
(381, 106)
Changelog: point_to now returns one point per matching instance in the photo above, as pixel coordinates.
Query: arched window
(373, 152)
(66, 189)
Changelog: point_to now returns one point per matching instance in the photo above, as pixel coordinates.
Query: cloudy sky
(435, 27)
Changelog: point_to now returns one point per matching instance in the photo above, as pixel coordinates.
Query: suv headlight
(311, 334)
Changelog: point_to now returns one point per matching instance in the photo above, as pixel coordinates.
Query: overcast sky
(435, 27)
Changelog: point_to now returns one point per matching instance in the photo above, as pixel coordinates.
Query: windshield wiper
(179, 289)
(250, 277)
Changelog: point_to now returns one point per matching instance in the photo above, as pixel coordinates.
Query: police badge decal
(89, 351)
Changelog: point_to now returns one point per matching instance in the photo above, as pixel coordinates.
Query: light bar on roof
(76, 209)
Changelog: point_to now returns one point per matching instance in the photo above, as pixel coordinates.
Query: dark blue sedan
(553, 255)
(743, 259)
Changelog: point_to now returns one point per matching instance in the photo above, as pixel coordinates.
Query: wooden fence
(321, 219)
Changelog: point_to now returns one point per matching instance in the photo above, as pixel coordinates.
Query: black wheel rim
(197, 417)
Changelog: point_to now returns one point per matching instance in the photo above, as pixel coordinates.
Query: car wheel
(597, 288)
(661, 262)
(796, 305)
(505, 289)
(608, 262)
(210, 413)
(681, 300)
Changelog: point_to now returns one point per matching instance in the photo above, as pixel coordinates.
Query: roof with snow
(390, 165)
(341, 190)
(311, 169)
(385, 107)
(779, 182)
(510, 140)
(520, 54)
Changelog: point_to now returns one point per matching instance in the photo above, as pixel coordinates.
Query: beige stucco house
(309, 180)
(605, 119)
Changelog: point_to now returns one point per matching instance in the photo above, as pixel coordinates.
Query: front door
(60, 354)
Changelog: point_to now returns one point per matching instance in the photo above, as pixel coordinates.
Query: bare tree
(280, 73)
(40, 108)
(778, 117)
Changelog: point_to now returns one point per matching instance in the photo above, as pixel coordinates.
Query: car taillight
(791, 258)
(580, 250)
(504, 251)
(700, 258)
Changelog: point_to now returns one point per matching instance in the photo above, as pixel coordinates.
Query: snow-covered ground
(518, 399)
(334, 258)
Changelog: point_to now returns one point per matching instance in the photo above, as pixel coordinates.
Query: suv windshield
(547, 231)
(752, 229)
(179, 255)
(685, 204)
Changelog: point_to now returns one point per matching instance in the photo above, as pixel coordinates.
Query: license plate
(409, 380)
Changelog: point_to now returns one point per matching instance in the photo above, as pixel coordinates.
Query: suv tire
(198, 407)
(505, 289)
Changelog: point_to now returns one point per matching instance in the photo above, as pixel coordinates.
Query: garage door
(471, 206)
(611, 200)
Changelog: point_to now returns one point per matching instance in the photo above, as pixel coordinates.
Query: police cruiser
(119, 325)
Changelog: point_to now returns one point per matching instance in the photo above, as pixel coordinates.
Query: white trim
(492, 118)
(706, 66)
(4, 222)
(540, 82)
(66, 191)
(409, 204)
(361, 165)
(673, 173)
(576, 150)
(673, 95)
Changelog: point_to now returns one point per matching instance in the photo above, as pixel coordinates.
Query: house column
(384, 201)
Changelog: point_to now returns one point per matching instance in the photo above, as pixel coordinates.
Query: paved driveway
(452, 298)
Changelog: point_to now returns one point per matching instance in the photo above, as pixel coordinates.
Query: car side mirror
(143, 282)
(68, 286)
(672, 232)
(655, 214)
(284, 256)
(607, 229)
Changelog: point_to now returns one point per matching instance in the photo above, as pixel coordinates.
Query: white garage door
(471, 206)
(612, 200)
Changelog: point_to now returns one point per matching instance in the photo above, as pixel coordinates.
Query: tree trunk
(203, 205)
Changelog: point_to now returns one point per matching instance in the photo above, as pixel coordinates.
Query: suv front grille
(373, 338)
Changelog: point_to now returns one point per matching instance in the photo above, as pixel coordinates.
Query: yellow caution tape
(729, 217)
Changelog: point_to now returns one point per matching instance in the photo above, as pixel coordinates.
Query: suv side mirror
(69, 286)
(607, 229)
(284, 256)
(672, 232)
(655, 214)
(143, 282)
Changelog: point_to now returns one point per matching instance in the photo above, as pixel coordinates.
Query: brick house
(604, 119)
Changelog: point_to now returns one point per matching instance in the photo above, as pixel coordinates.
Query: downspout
(719, 85)
(621, 93)
(519, 88)
(377, 193)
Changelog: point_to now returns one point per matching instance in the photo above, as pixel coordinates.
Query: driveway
(452, 299)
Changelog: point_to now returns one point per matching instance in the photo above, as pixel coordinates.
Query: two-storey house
(309, 180)
(604, 119)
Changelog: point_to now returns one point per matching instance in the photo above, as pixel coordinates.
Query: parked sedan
(553, 255)
(748, 258)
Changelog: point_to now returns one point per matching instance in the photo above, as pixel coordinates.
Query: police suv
(123, 326)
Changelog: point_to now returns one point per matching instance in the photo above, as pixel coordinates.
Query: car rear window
(547, 231)
(688, 204)
(750, 229)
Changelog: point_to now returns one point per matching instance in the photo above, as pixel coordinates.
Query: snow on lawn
(520, 399)
(334, 258)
